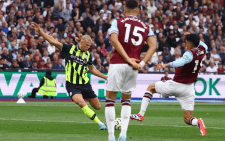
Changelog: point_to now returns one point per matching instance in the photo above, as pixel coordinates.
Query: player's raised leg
(96, 104)
(78, 99)
(144, 104)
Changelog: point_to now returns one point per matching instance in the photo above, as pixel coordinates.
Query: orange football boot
(202, 127)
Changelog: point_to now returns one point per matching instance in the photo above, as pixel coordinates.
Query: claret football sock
(145, 101)
(125, 116)
(90, 114)
(110, 117)
(194, 121)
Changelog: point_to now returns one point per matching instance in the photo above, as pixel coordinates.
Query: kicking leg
(144, 104)
(110, 113)
(96, 104)
(78, 99)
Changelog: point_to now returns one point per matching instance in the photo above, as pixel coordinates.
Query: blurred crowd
(21, 47)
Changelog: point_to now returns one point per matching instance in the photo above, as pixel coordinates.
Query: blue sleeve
(114, 27)
(150, 32)
(204, 45)
(187, 58)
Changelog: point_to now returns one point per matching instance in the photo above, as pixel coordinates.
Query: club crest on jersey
(185, 57)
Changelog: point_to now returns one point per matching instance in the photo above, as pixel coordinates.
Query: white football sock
(194, 122)
(125, 116)
(100, 123)
(145, 101)
(110, 117)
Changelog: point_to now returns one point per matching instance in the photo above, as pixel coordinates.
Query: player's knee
(151, 88)
(98, 107)
(80, 103)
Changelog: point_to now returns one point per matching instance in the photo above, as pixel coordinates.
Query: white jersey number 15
(135, 33)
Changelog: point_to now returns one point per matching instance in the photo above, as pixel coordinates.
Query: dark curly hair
(193, 38)
(132, 4)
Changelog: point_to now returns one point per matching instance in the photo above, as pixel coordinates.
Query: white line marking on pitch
(42, 120)
(93, 122)
(176, 126)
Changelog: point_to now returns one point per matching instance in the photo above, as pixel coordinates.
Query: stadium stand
(22, 48)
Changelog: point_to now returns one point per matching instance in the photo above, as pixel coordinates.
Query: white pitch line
(93, 122)
(176, 126)
(43, 120)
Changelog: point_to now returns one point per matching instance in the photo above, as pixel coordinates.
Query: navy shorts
(84, 89)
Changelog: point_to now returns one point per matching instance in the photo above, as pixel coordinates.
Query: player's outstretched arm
(49, 38)
(187, 58)
(152, 48)
(94, 71)
(119, 48)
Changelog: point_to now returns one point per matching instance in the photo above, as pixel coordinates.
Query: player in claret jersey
(128, 35)
(182, 85)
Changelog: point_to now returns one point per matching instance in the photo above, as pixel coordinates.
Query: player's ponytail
(78, 39)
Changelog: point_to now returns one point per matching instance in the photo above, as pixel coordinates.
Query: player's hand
(105, 77)
(133, 63)
(36, 27)
(140, 66)
(160, 66)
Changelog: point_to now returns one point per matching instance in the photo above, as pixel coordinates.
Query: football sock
(194, 121)
(110, 116)
(90, 114)
(100, 123)
(125, 116)
(145, 101)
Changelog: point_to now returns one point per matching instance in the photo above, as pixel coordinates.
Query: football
(20, 94)
(117, 124)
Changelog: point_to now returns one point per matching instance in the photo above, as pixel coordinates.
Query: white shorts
(184, 93)
(121, 78)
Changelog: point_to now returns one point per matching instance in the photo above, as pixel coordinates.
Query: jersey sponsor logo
(78, 60)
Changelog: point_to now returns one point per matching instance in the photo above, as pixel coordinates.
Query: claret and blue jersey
(132, 34)
(189, 65)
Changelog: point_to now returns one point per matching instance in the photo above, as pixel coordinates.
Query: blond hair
(81, 37)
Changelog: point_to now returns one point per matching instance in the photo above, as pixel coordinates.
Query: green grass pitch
(64, 121)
